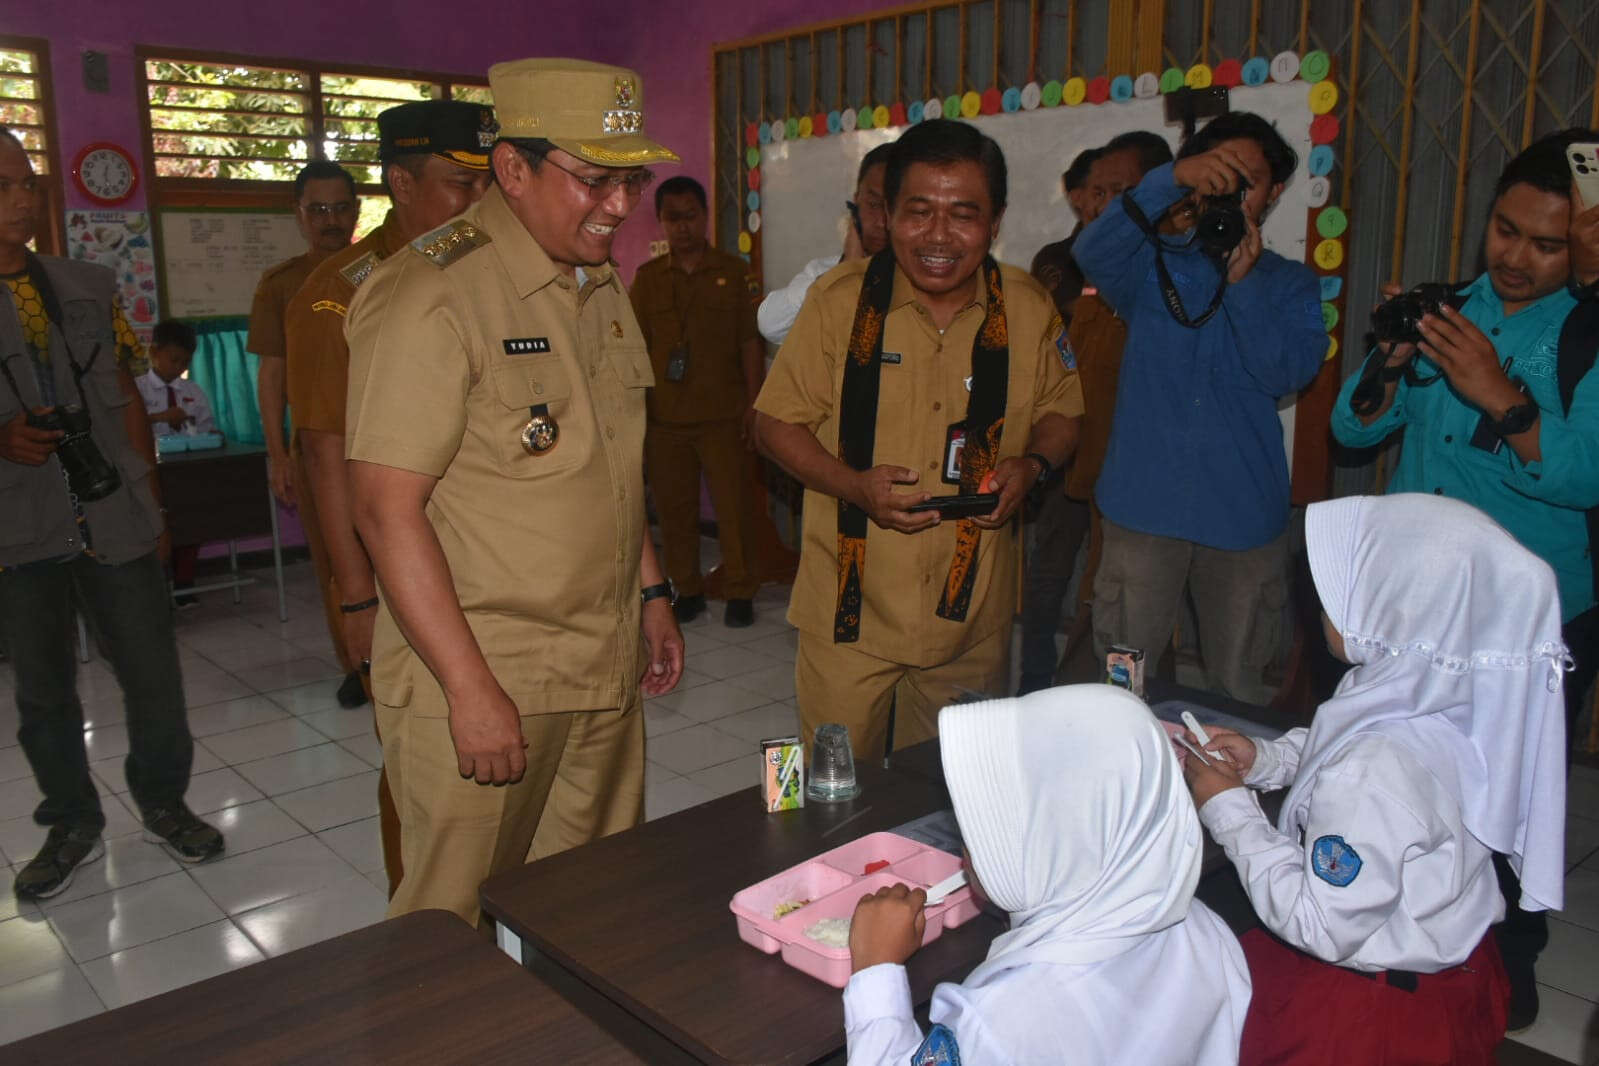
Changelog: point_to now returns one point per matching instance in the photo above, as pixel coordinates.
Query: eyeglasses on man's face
(337, 209)
(634, 182)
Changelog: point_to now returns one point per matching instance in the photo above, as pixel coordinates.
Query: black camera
(1399, 319)
(1221, 223)
(89, 475)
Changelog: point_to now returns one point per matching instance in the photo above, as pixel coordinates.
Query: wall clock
(106, 173)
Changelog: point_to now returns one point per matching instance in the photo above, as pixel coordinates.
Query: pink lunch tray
(834, 882)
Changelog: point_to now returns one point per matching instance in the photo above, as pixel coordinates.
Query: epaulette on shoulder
(279, 267)
(449, 242)
(356, 271)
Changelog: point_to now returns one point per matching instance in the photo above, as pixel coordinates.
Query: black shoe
(183, 835)
(65, 848)
(1034, 682)
(1523, 1000)
(352, 693)
(184, 600)
(688, 608)
(740, 614)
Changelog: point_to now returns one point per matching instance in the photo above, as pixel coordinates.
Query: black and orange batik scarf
(857, 437)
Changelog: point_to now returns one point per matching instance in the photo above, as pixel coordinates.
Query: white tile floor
(291, 779)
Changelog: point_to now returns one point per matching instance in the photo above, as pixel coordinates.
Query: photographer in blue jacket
(1194, 488)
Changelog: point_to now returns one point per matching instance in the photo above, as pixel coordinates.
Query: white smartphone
(1584, 160)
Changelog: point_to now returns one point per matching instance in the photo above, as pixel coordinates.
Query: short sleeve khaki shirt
(711, 312)
(319, 358)
(452, 342)
(921, 396)
(273, 292)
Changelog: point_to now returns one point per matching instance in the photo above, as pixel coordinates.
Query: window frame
(49, 238)
(245, 192)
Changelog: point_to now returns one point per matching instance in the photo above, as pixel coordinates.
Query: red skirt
(1305, 1011)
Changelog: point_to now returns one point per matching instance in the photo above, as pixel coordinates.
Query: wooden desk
(642, 918)
(424, 988)
(222, 494)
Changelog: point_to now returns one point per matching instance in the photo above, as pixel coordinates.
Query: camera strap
(52, 311)
(1168, 290)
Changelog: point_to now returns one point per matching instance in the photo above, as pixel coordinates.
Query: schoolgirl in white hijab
(1077, 823)
(1444, 744)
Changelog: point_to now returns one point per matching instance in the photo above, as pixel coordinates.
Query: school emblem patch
(1334, 861)
(938, 1049)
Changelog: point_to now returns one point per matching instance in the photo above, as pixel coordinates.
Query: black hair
(1076, 175)
(1542, 164)
(877, 157)
(172, 331)
(940, 142)
(5, 132)
(321, 170)
(1234, 125)
(1151, 148)
(681, 185)
(531, 149)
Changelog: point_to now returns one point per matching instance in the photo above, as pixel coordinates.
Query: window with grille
(25, 111)
(247, 120)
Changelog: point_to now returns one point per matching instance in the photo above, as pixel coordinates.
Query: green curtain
(227, 374)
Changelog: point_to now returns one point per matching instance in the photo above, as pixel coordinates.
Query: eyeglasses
(633, 183)
(341, 208)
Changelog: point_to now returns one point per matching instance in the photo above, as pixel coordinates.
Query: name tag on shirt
(526, 345)
(891, 359)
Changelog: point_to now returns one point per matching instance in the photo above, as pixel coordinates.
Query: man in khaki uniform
(326, 209)
(697, 312)
(929, 367)
(496, 417)
(435, 164)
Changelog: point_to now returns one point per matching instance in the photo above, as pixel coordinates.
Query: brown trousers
(836, 683)
(674, 455)
(584, 780)
(388, 820)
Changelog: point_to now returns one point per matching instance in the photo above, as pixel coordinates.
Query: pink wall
(670, 48)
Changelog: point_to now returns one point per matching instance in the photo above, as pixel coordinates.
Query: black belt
(1404, 980)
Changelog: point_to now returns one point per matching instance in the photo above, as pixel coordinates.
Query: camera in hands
(89, 474)
(1221, 224)
(1399, 320)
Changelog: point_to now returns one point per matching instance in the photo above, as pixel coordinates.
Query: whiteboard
(212, 258)
(805, 182)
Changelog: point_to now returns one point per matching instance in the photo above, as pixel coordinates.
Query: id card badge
(677, 363)
(954, 451)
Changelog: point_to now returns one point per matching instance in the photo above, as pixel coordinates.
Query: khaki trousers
(388, 820)
(837, 683)
(1239, 598)
(673, 457)
(584, 780)
(306, 505)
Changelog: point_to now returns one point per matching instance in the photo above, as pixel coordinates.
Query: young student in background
(1444, 744)
(176, 405)
(1076, 823)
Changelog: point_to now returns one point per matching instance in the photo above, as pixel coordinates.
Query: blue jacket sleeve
(1348, 430)
(1275, 312)
(1568, 473)
(1113, 252)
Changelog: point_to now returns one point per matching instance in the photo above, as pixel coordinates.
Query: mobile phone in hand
(959, 506)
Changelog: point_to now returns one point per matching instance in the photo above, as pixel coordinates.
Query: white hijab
(1077, 820)
(1450, 621)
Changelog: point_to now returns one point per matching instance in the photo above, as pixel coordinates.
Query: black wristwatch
(664, 590)
(1045, 468)
(1518, 419)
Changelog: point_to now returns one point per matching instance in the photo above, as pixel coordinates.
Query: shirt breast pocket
(539, 391)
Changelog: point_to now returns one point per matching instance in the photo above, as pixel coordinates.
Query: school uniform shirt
(1424, 891)
(1444, 744)
(161, 395)
(1077, 822)
(1196, 449)
(1542, 503)
(776, 315)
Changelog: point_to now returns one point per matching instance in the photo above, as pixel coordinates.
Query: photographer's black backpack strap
(1579, 345)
